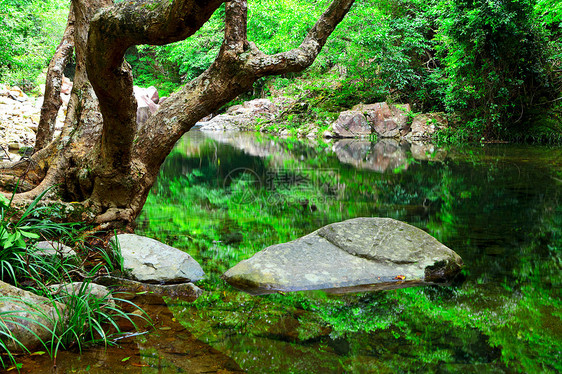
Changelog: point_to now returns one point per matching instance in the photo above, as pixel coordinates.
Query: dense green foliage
(30, 31)
(497, 207)
(496, 65)
(495, 61)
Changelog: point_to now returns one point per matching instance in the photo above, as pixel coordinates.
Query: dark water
(223, 197)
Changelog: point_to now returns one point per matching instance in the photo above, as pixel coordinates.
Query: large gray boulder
(380, 119)
(151, 261)
(26, 319)
(352, 124)
(359, 254)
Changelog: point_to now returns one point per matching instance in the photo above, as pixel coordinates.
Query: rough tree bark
(106, 162)
(52, 99)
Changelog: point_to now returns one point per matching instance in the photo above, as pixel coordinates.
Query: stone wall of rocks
(385, 120)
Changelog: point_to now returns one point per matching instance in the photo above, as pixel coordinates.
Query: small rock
(152, 94)
(27, 317)
(152, 261)
(98, 291)
(425, 125)
(17, 94)
(145, 105)
(235, 109)
(328, 134)
(46, 248)
(151, 293)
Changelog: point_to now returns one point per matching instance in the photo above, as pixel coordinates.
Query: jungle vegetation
(495, 65)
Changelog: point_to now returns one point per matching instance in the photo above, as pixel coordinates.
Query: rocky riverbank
(378, 120)
(19, 119)
(20, 114)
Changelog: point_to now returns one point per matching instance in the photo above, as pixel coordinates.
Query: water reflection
(167, 348)
(498, 206)
(387, 154)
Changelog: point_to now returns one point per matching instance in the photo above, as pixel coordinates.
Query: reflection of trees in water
(498, 207)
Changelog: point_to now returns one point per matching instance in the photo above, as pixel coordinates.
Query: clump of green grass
(76, 317)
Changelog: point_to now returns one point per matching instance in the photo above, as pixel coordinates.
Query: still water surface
(224, 196)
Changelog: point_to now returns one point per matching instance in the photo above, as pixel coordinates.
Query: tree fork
(105, 161)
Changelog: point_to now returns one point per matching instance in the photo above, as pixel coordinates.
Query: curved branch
(302, 57)
(52, 100)
(112, 31)
(238, 65)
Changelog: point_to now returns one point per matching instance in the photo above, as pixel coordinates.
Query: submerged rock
(360, 254)
(151, 261)
(150, 293)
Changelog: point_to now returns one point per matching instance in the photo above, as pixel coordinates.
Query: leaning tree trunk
(107, 163)
(52, 99)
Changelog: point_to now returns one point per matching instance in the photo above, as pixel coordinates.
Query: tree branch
(302, 57)
(236, 25)
(51, 99)
(112, 31)
(238, 65)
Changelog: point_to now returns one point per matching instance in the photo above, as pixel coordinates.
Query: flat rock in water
(360, 254)
(150, 293)
(152, 261)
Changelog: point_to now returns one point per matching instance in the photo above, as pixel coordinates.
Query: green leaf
(125, 359)
(4, 201)
(9, 241)
(30, 235)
